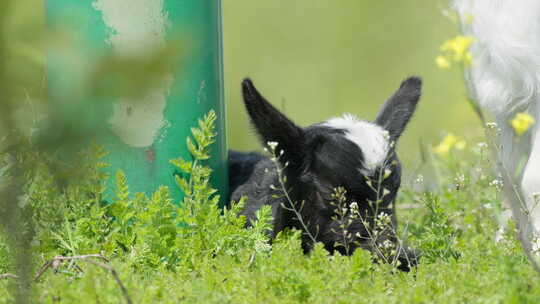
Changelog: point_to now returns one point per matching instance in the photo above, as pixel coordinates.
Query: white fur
(506, 53)
(505, 78)
(371, 138)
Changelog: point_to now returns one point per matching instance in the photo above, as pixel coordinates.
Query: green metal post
(143, 134)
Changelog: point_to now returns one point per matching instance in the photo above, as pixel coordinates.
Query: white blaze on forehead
(372, 139)
(137, 29)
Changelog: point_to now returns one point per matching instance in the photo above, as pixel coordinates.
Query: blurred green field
(315, 59)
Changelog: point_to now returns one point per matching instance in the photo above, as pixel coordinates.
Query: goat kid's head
(343, 174)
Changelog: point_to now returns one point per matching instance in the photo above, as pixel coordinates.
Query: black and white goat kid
(336, 181)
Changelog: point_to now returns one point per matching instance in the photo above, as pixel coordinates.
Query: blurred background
(313, 59)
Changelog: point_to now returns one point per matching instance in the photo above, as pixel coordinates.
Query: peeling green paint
(143, 133)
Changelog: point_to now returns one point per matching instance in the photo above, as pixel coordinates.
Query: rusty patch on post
(151, 155)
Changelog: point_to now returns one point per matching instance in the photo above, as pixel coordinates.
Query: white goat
(504, 79)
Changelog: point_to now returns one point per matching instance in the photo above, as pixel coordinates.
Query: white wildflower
(354, 207)
(272, 145)
(387, 173)
(459, 180)
(498, 184)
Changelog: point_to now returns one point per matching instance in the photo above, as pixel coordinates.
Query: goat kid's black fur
(316, 160)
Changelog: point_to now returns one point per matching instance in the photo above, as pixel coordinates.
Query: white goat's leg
(510, 152)
(530, 186)
(508, 160)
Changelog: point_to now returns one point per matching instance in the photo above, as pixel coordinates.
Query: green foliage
(146, 233)
(193, 252)
(4, 256)
(438, 236)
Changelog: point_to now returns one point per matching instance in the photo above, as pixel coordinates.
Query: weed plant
(164, 251)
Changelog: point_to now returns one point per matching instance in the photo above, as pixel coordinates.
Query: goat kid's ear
(272, 125)
(398, 109)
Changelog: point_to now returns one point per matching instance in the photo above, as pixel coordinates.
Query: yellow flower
(458, 48)
(442, 62)
(461, 144)
(448, 143)
(521, 123)
(459, 45)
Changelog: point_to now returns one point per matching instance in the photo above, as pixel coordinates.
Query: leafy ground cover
(151, 249)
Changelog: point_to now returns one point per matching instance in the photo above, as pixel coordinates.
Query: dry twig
(116, 278)
(55, 262)
(89, 258)
(8, 276)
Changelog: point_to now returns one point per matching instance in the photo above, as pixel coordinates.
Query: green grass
(195, 253)
(329, 56)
